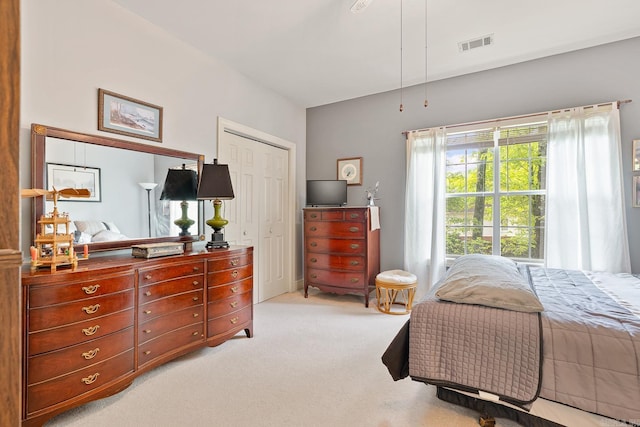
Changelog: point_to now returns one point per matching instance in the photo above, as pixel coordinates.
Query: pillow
(107, 236)
(90, 227)
(111, 226)
(489, 280)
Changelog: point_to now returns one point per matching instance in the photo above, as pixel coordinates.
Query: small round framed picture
(350, 169)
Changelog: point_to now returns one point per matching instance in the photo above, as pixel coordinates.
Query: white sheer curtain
(424, 238)
(586, 226)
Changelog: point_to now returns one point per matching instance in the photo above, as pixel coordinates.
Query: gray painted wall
(372, 126)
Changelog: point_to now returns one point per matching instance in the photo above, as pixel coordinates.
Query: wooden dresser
(341, 250)
(88, 333)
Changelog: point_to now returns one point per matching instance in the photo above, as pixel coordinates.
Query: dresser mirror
(126, 180)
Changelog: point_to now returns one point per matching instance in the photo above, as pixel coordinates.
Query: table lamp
(215, 184)
(182, 185)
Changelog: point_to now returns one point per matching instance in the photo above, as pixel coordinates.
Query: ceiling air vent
(468, 45)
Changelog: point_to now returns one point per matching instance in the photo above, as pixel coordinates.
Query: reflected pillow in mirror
(90, 227)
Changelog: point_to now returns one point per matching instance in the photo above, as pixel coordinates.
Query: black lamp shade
(181, 184)
(215, 182)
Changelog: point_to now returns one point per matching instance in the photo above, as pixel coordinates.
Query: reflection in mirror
(120, 211)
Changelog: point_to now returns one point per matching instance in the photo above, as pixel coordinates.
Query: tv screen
(326, 192)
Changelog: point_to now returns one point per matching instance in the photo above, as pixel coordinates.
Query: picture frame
(636, 155)
(350, 170)
(636, 191)
(63, 176)
(128, 116)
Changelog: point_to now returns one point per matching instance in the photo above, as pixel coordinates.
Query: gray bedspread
(590, 345)
(474, 347)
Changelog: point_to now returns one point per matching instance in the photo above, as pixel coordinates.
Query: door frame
(225, 125)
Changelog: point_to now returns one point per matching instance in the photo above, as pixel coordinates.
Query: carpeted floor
(311, 362)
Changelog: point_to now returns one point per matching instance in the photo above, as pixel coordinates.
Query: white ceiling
(316, 52)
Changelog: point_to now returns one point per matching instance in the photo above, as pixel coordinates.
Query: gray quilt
(590, 345)
(472, 347)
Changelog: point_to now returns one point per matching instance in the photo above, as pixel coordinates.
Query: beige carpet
(311, 362)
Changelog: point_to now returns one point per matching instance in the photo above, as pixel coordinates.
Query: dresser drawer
(225, 306)
(62, 314)
(168, 305)
(226, 323)
(56, 363)
(222, 277)
(52, 339)
(40, 296)
(229, 290)
(347, 230)
(335, 278)
(230, 262)
(163, 324)
(345, 246)
(169, 342)
(335, 262)
(171, 271)
(48, 393)
(170, 287)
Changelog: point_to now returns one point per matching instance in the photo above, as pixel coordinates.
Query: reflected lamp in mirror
(181, 185)
(215, 184)
(148, 186)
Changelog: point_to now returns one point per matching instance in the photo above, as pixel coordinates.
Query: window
(495, 191)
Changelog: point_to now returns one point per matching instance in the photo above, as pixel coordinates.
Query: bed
(544, 347)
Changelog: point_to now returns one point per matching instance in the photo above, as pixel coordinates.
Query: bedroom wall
(70, 48)
(371, 126)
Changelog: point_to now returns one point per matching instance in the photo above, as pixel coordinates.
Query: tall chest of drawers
(341, 250)
(88, 333)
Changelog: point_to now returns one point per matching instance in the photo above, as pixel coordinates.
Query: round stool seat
(390, 284)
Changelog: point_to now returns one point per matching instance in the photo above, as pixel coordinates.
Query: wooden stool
(389, 284)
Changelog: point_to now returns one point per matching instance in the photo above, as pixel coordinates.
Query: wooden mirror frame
(39, 134)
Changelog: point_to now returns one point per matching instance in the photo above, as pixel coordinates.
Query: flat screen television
(326, 192)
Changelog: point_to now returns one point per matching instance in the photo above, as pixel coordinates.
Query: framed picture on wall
(127, 116)
(636, 155)
(636, 191)
(69, 176)
(350, 169)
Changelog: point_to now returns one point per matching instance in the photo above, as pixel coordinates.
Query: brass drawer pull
(148, 293)
(196, 283)
(314, 276)
(195, 314)
(147, 331)
(313, 244)
(91, 353)
(355, 263)
(234, 273)
(91, 309)
(90, 379)
(90, 289)
(354, 229)
(196, 298)
(233, 304)
(234, 320)
(148, 277)
(355, 246)
(354, 280)
(234, 262)
(314, 216)
(196, 269)
(196, 333)
(147, 352)
(354, 215)
(313, 260)
(313, 228)
(234, 289)
(90, 330)
(147, 312)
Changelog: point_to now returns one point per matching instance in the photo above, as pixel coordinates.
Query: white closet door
(258, 215)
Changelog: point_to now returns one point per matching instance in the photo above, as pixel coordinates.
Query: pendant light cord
(401, 106)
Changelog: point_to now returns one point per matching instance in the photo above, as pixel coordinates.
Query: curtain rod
(618, 103)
